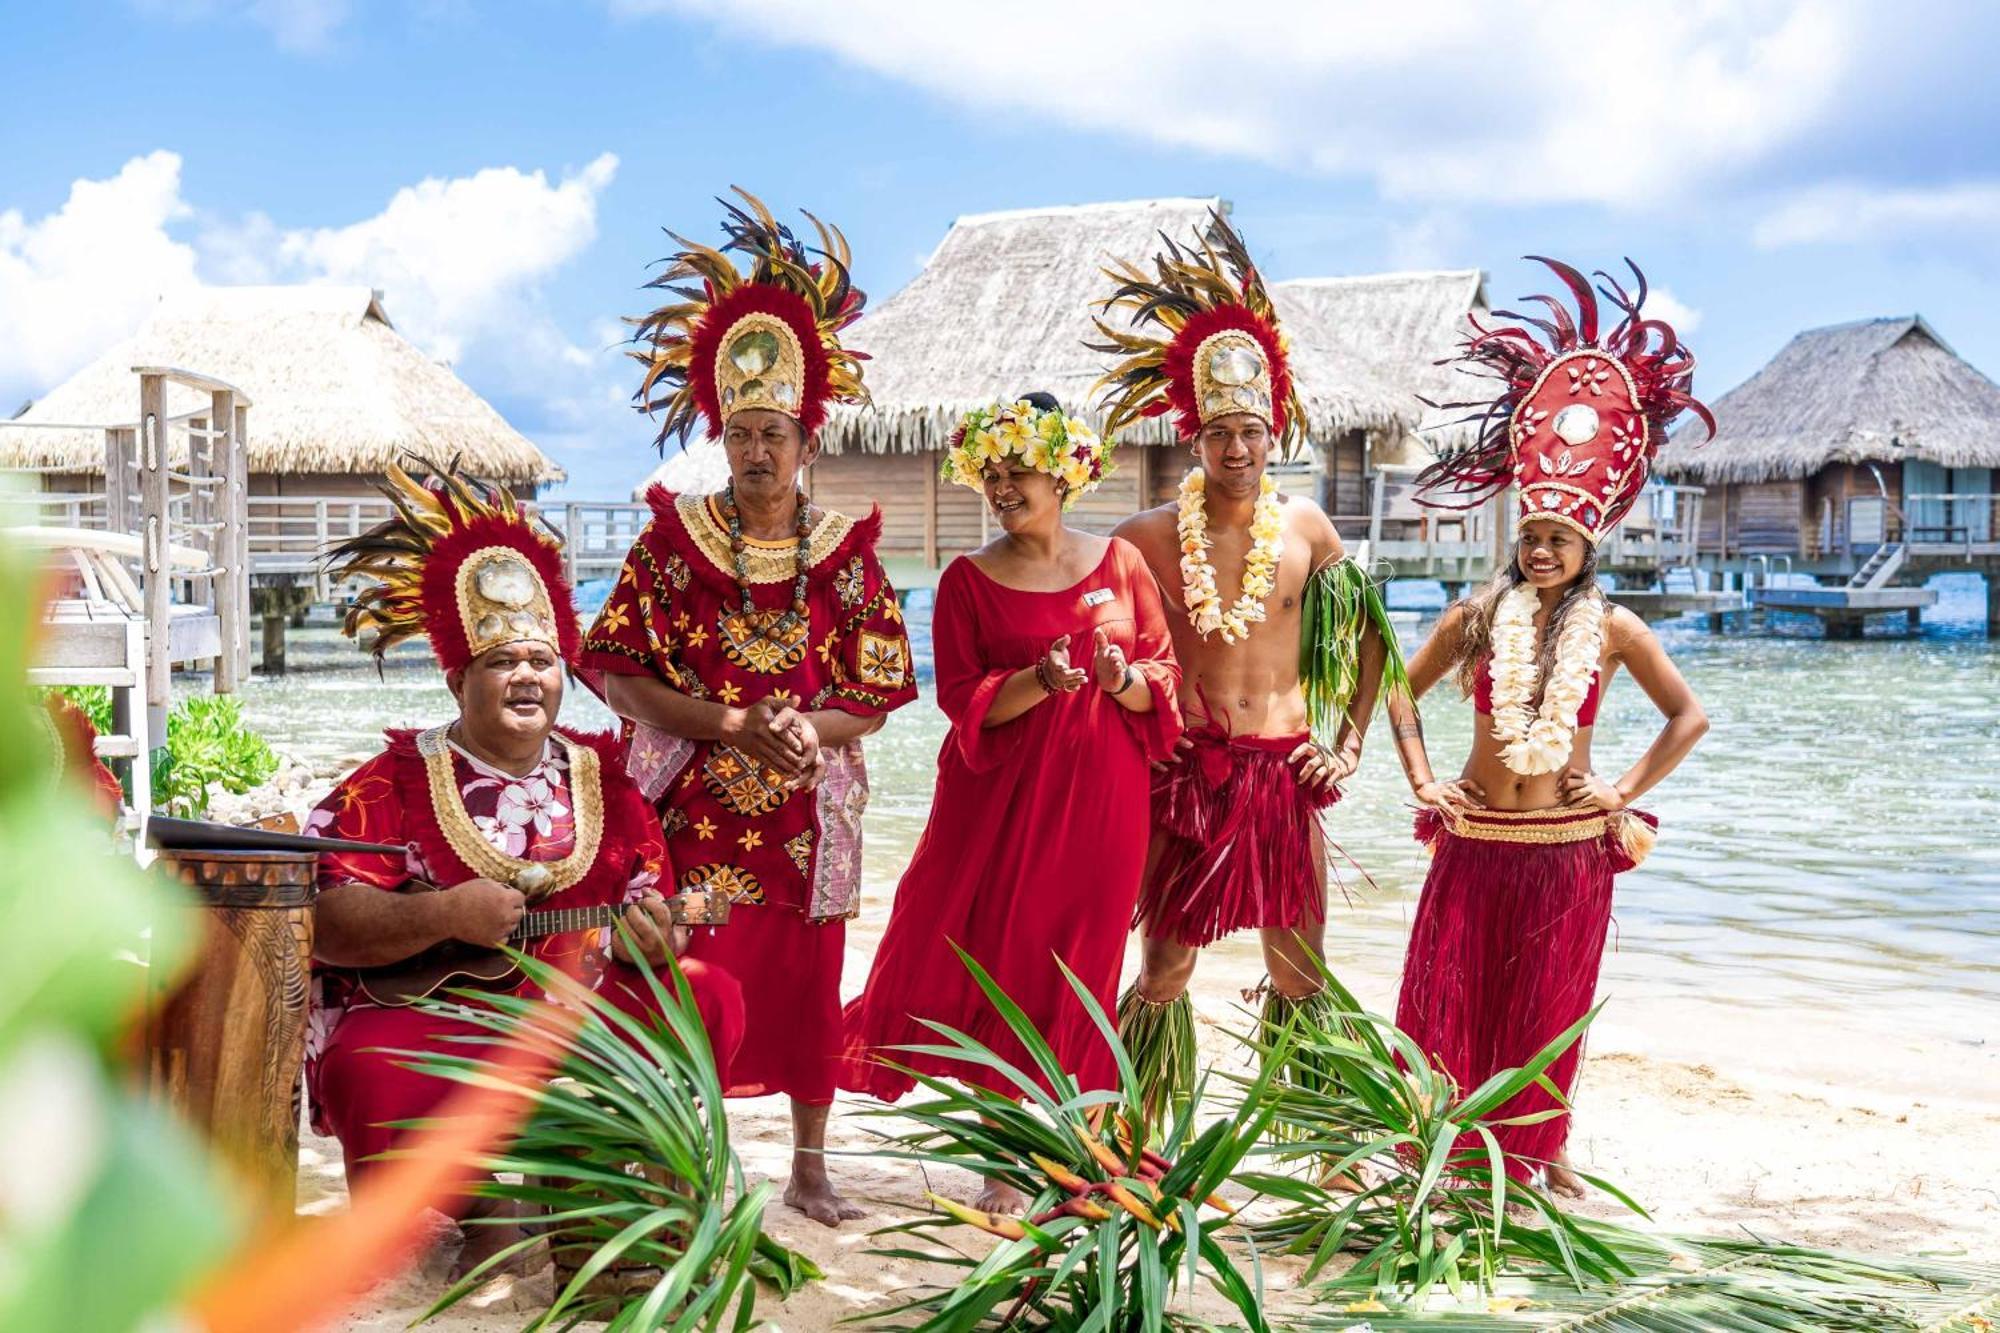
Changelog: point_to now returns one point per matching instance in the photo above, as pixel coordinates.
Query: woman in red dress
(1056, 671)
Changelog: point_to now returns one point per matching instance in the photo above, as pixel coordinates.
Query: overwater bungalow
(339, 393)
(1852, 437)
(1003, 306)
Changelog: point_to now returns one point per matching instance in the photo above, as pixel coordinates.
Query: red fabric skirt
(1239, 834)
(363, 1087)
(1505, 951)
(789, 969)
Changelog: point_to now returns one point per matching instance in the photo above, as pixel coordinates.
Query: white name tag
(1098, 596)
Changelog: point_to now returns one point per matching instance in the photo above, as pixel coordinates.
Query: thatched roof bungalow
(1004, 305)
(1366, 352)
(338, 394)
(1859, 411)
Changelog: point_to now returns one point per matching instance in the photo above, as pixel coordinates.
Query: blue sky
(502, 170)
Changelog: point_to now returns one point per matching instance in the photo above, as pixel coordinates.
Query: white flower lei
(1541, 743)
(1260, 566)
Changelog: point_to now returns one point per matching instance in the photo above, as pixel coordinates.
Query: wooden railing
(1960, 519)
(1663, 529)
(290, 534)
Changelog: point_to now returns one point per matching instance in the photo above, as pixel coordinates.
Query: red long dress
(1037, 835)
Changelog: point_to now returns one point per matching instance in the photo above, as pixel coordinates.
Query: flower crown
(1065, 447)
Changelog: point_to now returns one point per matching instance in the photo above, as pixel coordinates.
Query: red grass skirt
(1505, 951)
(1239, 834)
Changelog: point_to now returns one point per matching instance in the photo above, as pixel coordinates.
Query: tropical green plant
(1380, 1115)
(1113, 1224)
(1704, 1285)
(623, 1158)
(1441, 1236)
(208, 743)
(93, 700)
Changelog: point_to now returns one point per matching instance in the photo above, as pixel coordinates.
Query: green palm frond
(1714, 1286)
(1395, 1171)
(1115, 1224)
(1342, 603)
(1434, 1207)
(623, 1160)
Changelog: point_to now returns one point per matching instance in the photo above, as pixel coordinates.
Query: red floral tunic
(677, 614)
(533, 818)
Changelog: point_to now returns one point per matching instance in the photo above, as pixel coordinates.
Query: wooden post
(930, 517)
(117, 480)
(239, 528)
(274, 633)
(155, 561)
(1375, 517)
(230, 587)
(1992, 573)
(572, 534)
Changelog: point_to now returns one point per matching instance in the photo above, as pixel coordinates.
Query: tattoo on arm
(1408, 731)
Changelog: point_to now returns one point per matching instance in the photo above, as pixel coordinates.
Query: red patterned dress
(790, 861)
(1037, 834)
(355, 1087)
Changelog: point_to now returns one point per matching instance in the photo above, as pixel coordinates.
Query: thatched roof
(1365, 348)
(1004, 306)
(335, 389)
(1877, 390)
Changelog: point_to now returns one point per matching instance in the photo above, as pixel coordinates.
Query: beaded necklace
(795, 614)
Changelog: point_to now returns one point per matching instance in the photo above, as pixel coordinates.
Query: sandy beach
(1720, 1119)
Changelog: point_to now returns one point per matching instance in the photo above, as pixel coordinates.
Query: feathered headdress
(1578, 421)
(766, 339)
(459, 563)
(1204, 341)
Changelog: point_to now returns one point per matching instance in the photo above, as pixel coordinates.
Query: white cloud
(88, 273)
(1663, 304)
(299, 26)
(1854, 214)
(455, 258)
(461, 263)
(1568, 101)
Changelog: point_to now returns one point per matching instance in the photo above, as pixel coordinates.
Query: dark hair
(1476, 641)
(1043, 402)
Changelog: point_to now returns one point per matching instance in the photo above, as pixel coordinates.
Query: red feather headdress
(1204, 340)
(1577, 421)
(460, 564)
(766, 339)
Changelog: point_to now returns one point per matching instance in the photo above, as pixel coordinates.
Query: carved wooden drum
(224, 1041)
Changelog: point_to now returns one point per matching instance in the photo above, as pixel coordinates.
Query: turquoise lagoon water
(1830, 846)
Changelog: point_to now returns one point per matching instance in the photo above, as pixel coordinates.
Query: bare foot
(484, 1239)
(1000, 1199)
(814, 1195)
(1562, 1177)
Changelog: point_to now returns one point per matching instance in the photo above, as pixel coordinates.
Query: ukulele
(457, 964)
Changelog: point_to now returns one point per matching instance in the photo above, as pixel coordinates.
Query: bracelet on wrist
(1126, 682)
(1042, 675)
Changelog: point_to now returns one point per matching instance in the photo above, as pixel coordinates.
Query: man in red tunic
(501, 815)
(752, 641)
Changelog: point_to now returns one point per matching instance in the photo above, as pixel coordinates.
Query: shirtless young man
(1246, 572)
